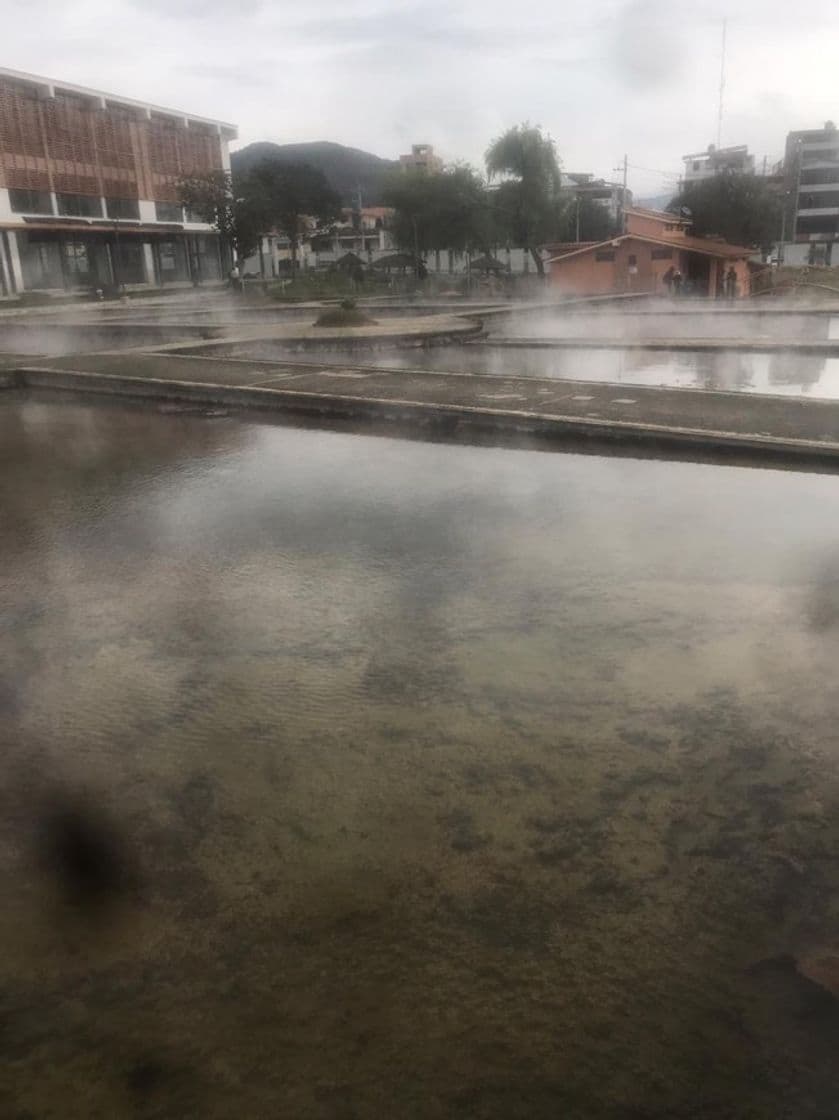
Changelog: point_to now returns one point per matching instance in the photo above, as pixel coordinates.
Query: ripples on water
(453, 781)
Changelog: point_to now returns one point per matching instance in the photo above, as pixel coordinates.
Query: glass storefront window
(172, 257)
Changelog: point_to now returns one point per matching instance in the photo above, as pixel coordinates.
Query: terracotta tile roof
(704, 245)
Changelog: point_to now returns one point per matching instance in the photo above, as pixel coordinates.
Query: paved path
(391, 329)
(664, 417)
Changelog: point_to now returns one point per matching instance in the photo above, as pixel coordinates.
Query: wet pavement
(502, 401)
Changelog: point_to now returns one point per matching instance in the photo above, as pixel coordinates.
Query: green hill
(347, 169)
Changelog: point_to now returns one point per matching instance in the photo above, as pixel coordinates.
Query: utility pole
(621, 216)
(360, 217)
(797, 200)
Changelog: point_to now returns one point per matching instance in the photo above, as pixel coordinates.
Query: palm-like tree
(527, 163)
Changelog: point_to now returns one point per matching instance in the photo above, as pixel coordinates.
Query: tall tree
(529, 192)
(742, 208)
(447, 210)
(239, 220)
(295, 199)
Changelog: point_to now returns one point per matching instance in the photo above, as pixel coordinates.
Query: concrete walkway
(762, 427)
(390, 330)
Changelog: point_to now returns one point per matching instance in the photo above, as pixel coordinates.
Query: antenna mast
(722, 83)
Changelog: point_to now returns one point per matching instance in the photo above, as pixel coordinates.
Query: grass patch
(347, 315)
(321, 285)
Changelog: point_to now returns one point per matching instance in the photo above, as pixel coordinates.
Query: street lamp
(117, 262)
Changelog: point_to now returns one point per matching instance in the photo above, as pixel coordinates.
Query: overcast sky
(608, 77)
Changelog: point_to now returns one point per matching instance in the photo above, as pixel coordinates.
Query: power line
(655, 171)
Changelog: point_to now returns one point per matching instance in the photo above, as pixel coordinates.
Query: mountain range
(348, 170)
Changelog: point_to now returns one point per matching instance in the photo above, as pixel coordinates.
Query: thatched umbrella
(487, 264)
(350, 262)
(400, 261)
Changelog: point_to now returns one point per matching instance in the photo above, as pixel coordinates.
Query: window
(194, 216)
(604, 255)
(124, 208)
(77, 263)
(819, 200)
(820, 254)
(662, 254)
(819, 175)
(127, 258)
(172, 260)
(819, 152)
(633, 260)
(79, 205)
(168, 212)
(696, 165)
(30, 202)
(812, 227)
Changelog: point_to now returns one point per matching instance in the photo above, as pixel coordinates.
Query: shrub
(344, 316)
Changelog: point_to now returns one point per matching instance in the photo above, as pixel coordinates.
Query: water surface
(459, 782)
(784, 374)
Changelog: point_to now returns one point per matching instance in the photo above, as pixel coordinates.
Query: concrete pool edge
(826, 347)
(432, 416)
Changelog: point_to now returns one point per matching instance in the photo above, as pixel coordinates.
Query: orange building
(656, 244)
(88, 189)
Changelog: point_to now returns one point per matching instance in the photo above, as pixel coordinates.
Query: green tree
(585, 219)
(528, 198)
(447, 210)
(213, 197)
(295, 199)
(742, 208)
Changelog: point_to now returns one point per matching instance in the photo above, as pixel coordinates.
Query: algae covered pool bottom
(455, 782)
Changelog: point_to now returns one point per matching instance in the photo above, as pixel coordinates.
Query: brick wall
(69, 144)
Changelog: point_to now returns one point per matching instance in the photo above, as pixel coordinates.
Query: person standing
(731, 283)
(677, 283)
(667, 279)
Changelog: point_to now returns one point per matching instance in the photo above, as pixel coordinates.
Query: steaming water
(673, 324)
(462, 782)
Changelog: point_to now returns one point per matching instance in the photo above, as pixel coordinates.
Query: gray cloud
(647, 50)
(612, 76)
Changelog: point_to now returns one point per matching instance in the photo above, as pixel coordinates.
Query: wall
(652, 227)
(78, 144)
(517, 261)
(583, 274)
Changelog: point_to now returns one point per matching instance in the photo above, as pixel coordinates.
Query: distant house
(638, 260)
(715, 161)
(365, 232)
(422, 158)
(811, 222)
(613, 197)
